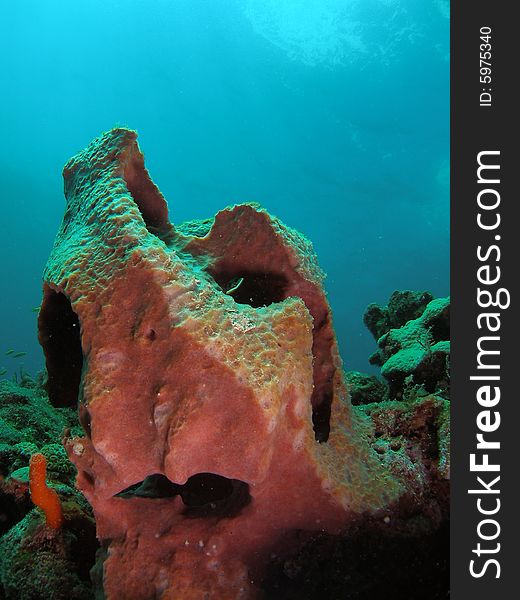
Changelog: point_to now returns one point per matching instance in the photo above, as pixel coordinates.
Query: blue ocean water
(332, 114)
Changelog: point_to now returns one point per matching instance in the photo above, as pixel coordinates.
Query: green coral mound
(29, 424)
(365, 389)
(34, 563)
(403, 306)
(411, 412)
(418, 351)
(413, 338)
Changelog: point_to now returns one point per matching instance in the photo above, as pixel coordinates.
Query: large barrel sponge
(217, 421)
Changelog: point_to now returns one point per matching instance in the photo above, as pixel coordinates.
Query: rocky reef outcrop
(403, 306)
(413, 338)
(412, 414)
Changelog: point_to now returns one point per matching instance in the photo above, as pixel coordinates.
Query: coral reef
(403, 306)
(416, 348)
(222, 450)
(29, 424)
(411, 422)
(365, 388)
(218, 427)
(36, 561)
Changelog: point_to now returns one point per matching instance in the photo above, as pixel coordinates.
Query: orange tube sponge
(42, 496)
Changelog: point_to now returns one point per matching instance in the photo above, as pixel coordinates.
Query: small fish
(9, 352)
(19, 354)
(36, 309)
(235, 284)
(3, 372)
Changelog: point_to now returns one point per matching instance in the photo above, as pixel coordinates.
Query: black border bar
(485, 349)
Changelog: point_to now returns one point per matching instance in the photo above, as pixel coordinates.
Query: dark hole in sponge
(85, 420)
(253, 288)
(322, 376)
(204, 494)
(59, 336)
(321, 418)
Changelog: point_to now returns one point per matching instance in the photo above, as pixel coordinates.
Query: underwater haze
(332, 114)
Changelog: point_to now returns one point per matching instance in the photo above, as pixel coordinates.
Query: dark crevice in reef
(14, 507)
(59, 336)
(204, 494)
(148, 198)
(253, 288)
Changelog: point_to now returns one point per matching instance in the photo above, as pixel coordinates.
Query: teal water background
(333, 114)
